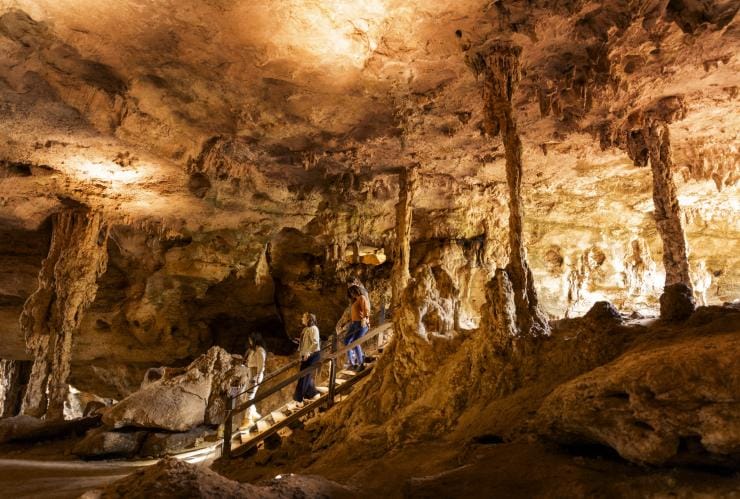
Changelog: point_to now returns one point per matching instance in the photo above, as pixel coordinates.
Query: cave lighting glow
(107, 172)
(336, 30)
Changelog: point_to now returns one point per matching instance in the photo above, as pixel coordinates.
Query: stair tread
(262, 425)
(277, 416)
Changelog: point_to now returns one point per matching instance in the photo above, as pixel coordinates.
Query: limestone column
(646, 137)
(52, 314)
(408, 180)
(13, 379)
(667, 211)
(496, 64)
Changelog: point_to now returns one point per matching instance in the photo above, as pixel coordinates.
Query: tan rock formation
(52, 315)
(181, 399)
(648, 137)
(497, 63)
(13, 379)
(407, 181)
(670, 404)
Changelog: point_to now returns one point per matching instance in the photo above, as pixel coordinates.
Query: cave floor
(57, 479)
(514, 469)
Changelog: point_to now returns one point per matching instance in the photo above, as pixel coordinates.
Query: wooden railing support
(332, 372)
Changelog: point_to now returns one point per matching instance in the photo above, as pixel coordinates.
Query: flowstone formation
(51, 317)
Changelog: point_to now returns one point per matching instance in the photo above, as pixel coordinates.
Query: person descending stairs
(280, 419)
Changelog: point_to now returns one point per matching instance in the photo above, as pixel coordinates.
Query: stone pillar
(400, 277)
(667, 211)
(496, 63)
(52, 314)
(646, 137)
(13, 380)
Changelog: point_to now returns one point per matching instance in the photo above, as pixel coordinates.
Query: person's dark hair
(255, 340)
(311, 319)
(354, 291)
(354, 281)
(258, 340)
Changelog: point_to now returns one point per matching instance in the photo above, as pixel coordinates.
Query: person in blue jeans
(360, 316)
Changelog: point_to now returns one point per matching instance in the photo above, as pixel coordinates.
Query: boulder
(163, 444)
(101, 443)
(177, 407)
(676, 303)
(603, 311)
(677, 403)
(179, 399)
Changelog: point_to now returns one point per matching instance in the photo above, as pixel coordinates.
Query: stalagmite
(52, 314)
(497, 62)
(408, 179)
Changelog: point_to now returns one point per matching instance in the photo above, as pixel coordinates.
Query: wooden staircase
(279, 421)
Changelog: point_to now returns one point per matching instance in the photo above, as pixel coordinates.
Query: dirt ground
(518, 469)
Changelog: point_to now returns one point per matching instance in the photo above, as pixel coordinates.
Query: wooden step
(277, 416)
(262, 425)
(322, 389)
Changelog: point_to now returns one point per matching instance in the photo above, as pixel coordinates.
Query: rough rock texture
(651, 140)
(180, 400)
(101, 444)
(246, 153)
(13, 380)
(173, 478)
(676, 302)
(29, 429)
(484, 439)
(677, 403)
(164, 444)
(52, 314)
(400, 276)
(497, 63)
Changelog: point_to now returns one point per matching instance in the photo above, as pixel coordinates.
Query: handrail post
(228, 426)
(332, 370)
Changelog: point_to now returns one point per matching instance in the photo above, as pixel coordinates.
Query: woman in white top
(254, 359)
(310, 351)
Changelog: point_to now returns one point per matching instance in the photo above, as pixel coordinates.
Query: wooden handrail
(232, 408)
(295, 377)
(275, 373)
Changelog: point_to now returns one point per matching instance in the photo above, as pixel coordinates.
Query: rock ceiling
(192, 117)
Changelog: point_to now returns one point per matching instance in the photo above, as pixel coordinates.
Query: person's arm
(261, 360)
(315, 340)
(365, 310)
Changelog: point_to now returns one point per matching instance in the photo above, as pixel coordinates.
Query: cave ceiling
(197, 116)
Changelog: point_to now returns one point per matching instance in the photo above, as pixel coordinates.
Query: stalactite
(496, 63)
(52, 314)
(408, 180)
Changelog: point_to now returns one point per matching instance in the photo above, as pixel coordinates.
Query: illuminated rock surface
(176, 175)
